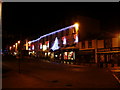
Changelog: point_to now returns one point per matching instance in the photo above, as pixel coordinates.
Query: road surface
(42, 74)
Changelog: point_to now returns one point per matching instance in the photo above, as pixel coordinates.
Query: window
(107, 43)
(67, 32)
(74, 31)
(40, 45)
(33, 47)
(90, 44)
(83, 44)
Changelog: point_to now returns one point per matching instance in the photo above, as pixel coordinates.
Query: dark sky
(30, 20)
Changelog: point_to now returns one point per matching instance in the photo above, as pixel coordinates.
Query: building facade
(65, 45)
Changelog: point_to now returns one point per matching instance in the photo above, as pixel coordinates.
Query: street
(43, 74)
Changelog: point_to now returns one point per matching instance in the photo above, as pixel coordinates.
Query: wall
(100, 43)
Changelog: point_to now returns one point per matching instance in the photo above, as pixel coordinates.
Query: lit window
(47, 44)
(76, 38)
(44, 47)
(65, 55)
(40, 45)
(64, 40)
(32, 47)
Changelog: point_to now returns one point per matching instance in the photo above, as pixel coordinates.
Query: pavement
(116, 73)
(44, 74)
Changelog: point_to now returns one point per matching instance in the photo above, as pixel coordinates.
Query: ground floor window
(69, 55)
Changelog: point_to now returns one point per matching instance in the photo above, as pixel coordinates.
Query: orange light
(13, 45)
(10, 47)
(76, 26)
(16, 44)
(118, 35)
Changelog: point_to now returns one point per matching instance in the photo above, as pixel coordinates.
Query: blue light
(52, 33)
(55, 45)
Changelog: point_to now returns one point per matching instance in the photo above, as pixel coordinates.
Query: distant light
(10, 47)
(45, 54)
(48, 53)
(18, 41)
(29, 49)
(13, 45)
(44, 47)
(33, 52)
(16, 44)
(56, 55)
(15, 53)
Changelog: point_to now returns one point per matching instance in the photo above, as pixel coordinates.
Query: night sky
(31, 20)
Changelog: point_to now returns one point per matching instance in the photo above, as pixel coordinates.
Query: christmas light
(53, 33)
(55, 45)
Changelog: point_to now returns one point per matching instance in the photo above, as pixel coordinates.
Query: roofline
(51, 33)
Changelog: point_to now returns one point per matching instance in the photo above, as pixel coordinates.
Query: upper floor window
(90, 44)
(67, 32)
(74, 31)
(107, 43)
(33, 47)
(40, 45)
(83, 44)
(64, 40)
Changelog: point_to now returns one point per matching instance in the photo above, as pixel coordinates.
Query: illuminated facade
(55, 44)
(65, 45)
